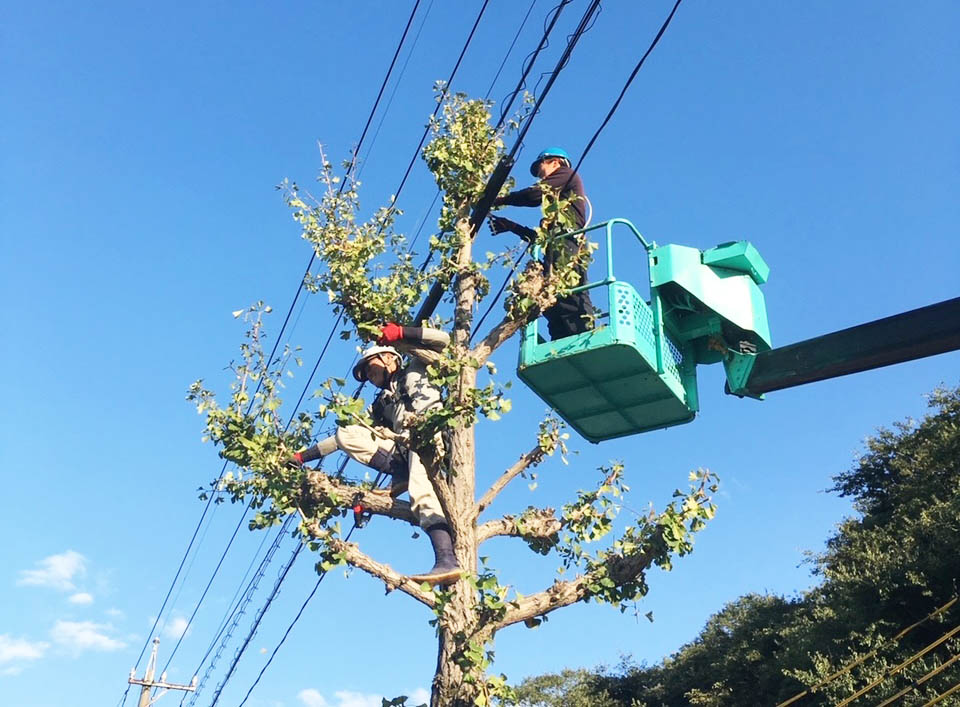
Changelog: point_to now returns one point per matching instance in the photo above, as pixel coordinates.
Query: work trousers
(574, 313)
(378, 453)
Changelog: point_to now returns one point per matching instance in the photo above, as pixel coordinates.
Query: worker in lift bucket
(405, 393)
(572, 313)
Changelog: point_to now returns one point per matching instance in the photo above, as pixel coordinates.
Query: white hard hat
(360, 370)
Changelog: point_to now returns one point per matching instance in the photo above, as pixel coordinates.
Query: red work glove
(390, 333)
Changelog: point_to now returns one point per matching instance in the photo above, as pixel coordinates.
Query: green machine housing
(637, 369)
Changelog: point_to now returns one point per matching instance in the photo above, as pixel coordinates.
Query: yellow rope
(850, 666)
(944, 695)
(897, 669)
(918, 682)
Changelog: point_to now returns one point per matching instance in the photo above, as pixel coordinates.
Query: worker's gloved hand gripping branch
(405, 394)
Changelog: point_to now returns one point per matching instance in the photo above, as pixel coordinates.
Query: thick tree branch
(619, 568)
(535, 524)
(354, 557)
(531, 458)
(321, 489)
(533, 285)
(500, 334)
(390, 577)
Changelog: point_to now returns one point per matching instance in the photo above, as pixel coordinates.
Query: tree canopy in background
(885, 569)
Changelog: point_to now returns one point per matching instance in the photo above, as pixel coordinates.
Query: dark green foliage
(882, 571)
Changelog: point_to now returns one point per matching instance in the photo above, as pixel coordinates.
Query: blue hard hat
(549, 152)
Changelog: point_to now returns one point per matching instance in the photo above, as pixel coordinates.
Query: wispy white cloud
(81, 636)
(56, 572)
(175, 627)
(16, 650)
(419, 697)
(347, 698)
(311, 698)
(115, 613)
(81, 598)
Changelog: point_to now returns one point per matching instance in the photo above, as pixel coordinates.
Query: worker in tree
(573, 313)
(405, 393)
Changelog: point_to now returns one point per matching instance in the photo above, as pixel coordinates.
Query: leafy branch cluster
(249, 430)
(359, 282)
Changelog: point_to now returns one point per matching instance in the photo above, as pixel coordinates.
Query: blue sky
(140, 148)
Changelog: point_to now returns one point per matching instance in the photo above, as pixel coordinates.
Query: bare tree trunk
(458, 622)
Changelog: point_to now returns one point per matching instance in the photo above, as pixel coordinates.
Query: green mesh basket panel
(604, 383)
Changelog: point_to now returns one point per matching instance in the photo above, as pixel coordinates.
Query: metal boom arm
(902, 337)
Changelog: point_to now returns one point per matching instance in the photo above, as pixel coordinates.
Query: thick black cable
(426, 132)
(531, 58)
(561, 64)
(636, 69)
(396, 86)
(587, 149)
(510, 49)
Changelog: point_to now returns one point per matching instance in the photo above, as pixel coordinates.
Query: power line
(403, 181)
(232, 621)
(396, 86)
(206, 589)
(324, 574)
(292, 624)
(510, 49)
(256, 623)
(636, 70)
(273, 351)
(500, 172)
(531, 58)
(586, 150)
(426, 132)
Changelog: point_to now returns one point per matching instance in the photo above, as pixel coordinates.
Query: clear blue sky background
(140, 147)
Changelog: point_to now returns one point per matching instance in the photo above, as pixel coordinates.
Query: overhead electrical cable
(426, 132)
(510, 49)
(346, 460)
(396, 85)
(272, 353)
(206, 589)
(502, 170)
(633, 74)
(586, 150)
(292, 624)
(232, 621)
(256, 623)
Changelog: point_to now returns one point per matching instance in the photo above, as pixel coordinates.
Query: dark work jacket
(533, 196)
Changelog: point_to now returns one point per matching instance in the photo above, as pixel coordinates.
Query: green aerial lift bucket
(636, 371)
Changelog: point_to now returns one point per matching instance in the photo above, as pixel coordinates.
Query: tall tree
(369, 275)
(885, 569)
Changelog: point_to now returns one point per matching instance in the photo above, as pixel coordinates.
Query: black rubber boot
(393, 466)
(399, 476)
(445, 569)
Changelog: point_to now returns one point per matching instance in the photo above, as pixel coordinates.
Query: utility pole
(148, 683)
